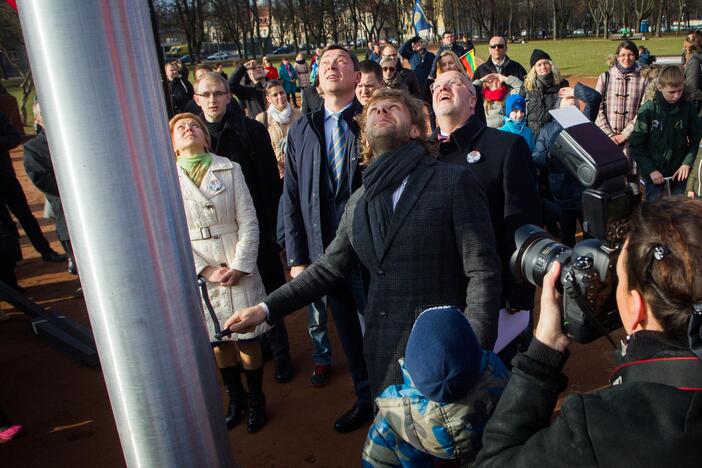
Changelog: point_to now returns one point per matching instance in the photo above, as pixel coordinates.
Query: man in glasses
(499, 62)
(247, 84)
(246, 142)
(504, 168)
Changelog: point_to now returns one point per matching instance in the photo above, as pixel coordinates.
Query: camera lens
(536, 250)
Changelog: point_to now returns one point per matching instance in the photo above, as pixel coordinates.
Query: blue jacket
(519, 128)
(311, 210)
(421, 62)
(288, 79)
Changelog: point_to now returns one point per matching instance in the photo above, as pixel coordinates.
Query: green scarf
(195, 167)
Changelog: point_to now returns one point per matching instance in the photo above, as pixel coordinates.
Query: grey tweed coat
(439, 250)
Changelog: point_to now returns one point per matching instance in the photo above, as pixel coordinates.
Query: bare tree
(11, 37)
(191, 16)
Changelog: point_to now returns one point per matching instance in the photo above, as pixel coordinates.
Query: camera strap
(684, 373)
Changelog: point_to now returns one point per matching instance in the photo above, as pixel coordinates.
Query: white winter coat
(223, 198)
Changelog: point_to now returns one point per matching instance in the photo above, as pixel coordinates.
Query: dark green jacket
(665, 136)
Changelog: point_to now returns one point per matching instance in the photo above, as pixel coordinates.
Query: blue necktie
(335, 153)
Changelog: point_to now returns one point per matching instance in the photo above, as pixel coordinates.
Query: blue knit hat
(514, 102)
(443, 355)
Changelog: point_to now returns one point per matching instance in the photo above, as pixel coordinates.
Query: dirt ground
(67, 415)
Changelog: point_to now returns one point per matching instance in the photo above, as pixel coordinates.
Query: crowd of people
(392, 198)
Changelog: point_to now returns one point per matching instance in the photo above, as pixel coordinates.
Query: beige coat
(278, 134)
(222, 202)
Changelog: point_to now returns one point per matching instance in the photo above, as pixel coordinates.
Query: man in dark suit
(246, 142)
(421, 228)
(504, 168)
(321, 172)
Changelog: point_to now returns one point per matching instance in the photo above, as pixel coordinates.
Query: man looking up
(419, 58)
(321, 172)
(499, 62)
(419, 226)
(503, 166)
(246, 142)
(371, 80)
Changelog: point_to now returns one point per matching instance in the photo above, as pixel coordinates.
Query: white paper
(509, 327)
(569, 116)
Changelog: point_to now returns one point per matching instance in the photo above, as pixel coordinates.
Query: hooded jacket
(410, 429)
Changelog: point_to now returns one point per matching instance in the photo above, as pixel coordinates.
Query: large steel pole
(98, 82)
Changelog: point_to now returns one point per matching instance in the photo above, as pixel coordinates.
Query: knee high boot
(231, 378)
(256, 401)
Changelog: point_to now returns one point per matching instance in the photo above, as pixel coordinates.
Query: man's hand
(656, 177)
(566, 92)
(296, 270)
(245, 320)
(682, 172)
(250, 64)
(690, 194)
(549, 330)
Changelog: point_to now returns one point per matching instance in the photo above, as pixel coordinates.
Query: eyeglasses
(216, 94)
(497, 46)
(447, 84)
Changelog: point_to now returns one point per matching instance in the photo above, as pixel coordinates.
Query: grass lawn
(582, 57)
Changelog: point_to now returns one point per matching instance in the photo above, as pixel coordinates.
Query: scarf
(514, 126)
(545, 82)
(195, 167)
(282, 117)
(495, 94)
(625, 70)
(382, 177)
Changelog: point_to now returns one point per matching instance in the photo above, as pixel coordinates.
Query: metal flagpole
(98, 82)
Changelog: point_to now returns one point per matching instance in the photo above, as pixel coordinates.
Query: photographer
(652, 414)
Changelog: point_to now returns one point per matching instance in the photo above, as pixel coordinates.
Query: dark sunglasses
(497, 46)
(388, 69)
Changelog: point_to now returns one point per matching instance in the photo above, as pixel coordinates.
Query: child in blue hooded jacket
(450, 389)
(515, 119)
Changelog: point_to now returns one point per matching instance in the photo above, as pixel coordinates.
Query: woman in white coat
(224, 238)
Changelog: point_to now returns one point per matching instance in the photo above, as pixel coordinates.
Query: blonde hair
(450, 53)
(695, 41)
(417, 111)
(187, 115)
(530, 80)
(670, 75)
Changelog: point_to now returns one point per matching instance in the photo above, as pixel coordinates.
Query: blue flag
(419, 18)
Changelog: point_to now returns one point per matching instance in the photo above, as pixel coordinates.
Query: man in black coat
(321, 172)
(312, 100)
(247, 142)
(499, 62)
(13, 196)
(420, 59)
(407, 76)
(251, 94)
(504, 168)
(421, 228)
(180, 89)
(40, 170)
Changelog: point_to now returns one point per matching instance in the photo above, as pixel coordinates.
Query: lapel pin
(473, 157)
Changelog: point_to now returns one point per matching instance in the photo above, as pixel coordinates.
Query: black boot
(256, 400)
(68, 248)
(237, 396)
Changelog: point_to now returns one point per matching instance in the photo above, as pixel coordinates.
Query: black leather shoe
(283, 370)
(53, 256)
(354, 418)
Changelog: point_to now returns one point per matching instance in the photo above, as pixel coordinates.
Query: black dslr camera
(588, 275)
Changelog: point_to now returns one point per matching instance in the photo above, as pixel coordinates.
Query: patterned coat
(620, 101)
(409, 429)
(223, 199)
(439, 249)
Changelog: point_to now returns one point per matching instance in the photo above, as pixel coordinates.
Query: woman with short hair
(278, 118)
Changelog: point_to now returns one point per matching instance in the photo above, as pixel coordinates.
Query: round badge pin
(473, 157)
